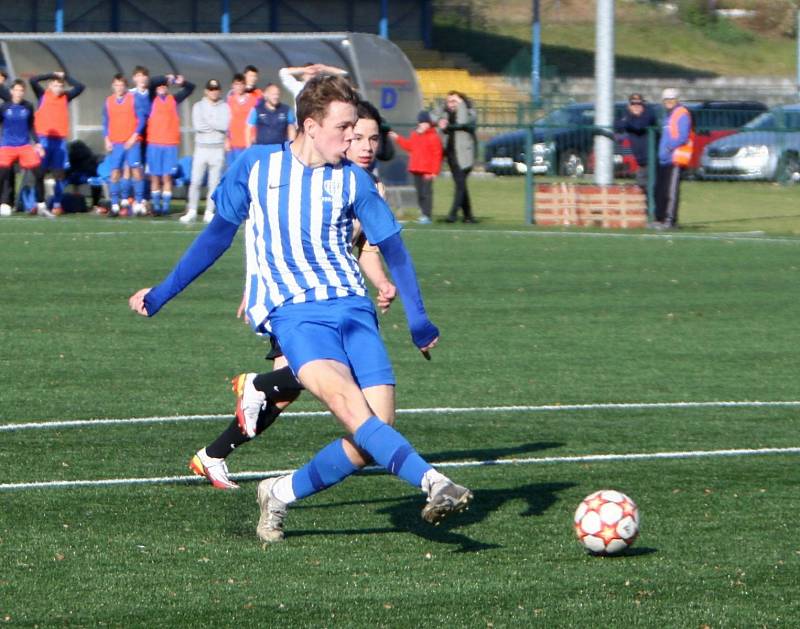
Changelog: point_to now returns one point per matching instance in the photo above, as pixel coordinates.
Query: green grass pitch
(528, 318)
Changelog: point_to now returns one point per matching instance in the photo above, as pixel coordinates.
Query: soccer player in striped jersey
(240, 102)
(298, 202)
(164, 138)
(52, 125)
(262, 397)
(17, 145)
(122, 129)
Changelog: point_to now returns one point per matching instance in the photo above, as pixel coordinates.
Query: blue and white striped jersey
(299, 225)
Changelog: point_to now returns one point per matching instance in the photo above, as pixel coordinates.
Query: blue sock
(125, 188)
(138, 190)
(328, 467)
(58, 192)
(155, 197)
(166, 197)
(392, 450)
(113, 189)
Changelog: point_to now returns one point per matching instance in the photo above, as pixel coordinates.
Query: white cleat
(41, 210)
(5, 210)
(273, 511)
(215, 470)
(445, 499)
(208, 216)
(189, 217)
(249, 403)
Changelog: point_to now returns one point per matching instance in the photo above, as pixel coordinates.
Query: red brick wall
(576, 204)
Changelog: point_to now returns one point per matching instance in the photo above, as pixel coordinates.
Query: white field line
(440, 410)
(587, 458)
(162, 228)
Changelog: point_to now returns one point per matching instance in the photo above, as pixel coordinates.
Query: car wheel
(572, 163)
(789, 172)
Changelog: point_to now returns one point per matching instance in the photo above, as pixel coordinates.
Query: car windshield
(775, 119)
(567, 116)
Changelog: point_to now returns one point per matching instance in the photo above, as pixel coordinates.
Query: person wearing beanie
(425, 161)
(674, 154)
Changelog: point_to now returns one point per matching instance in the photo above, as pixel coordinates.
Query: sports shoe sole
(196, 465)
(434, 513)
(237, 386)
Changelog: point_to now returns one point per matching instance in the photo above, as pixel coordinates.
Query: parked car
(563, 140)
(768, 147)
(562, 143)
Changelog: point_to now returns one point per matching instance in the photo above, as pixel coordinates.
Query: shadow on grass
(630, 552)
(404, 515)
(490, 454)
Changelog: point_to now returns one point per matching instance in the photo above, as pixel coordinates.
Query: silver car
(767, 148)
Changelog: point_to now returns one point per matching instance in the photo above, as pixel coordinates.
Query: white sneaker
(215, 470)
(189, 217)
(273, 511)
(5, 210)
(208, 216)
(125, 203)
(139, 209)
(41, 210)
(249, 402)
(115, 209)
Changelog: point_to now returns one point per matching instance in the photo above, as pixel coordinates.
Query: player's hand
(59, 74)
(39, 149)
(109, 145)
(240, 311)
(136, 301)
(179, 80)
(227, 145)
(392, 135)
(443, 123)
(426, 351)
(131, 141)
(386, 295)
(170, 78)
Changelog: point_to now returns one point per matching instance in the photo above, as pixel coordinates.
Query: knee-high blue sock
(113, 190)
(58, 192)
(138, 190)
(166, 197)
(328, 467)
(125, 188)
(155, 198)
(392, 450)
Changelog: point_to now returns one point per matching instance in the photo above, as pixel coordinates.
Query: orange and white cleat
(249, 403)
(215, 470)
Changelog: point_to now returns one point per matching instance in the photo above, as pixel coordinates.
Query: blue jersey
(299, 226)
(17, 119)
(142, 104)
(271, 124)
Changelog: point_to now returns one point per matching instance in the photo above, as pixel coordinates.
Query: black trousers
(7, 184)
(424, 188)
(461, 194)
(667, 193)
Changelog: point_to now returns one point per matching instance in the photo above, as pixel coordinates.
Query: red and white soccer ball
(606, 522)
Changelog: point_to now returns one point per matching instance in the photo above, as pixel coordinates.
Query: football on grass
(606, 522)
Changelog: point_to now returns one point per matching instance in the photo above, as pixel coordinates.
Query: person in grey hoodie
(457, 123)
(210, 118)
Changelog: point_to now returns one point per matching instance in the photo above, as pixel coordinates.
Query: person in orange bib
(122, 129)
(164, 138)
(674, 154)
(240, 103)
(51, 123)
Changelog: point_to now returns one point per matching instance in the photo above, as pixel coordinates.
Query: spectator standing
(164, 138)
(18, 144)
(239, 103)
(674, 154)
(250, 74)
(458, 125)
(425, 161)
(637, 120)
(270, 121)
(52, 125)
(210, 119)
(122, 128)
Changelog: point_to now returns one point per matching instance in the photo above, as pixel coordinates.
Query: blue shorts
(161, 159)
(55, 154)
(231, 156)
(344, 330)
(120, 157)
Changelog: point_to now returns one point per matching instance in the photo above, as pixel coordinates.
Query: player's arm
(382, 229)
(76, 89)
(369, 260)
(187, 87)
(36, 83)
(250, 127)
(105, 127)
(232, 199)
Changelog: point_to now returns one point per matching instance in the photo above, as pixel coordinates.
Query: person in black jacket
(635, 124)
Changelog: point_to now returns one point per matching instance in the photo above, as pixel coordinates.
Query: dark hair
(141, 70)
(269, 85)
(238, 78)
(120, 77)
(18, 82)
(319, 93)
(368, 111)
(4, 74)
(57, 79)
(250, 69)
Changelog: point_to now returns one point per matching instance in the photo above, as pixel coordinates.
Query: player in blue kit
(298, 202)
